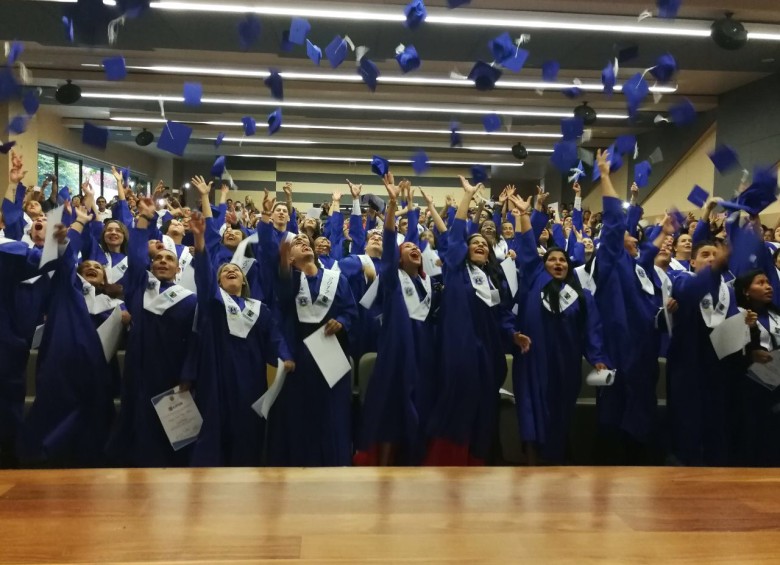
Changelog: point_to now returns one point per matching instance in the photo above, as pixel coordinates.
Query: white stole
(115, 272)
(675, 265)
(156, 302)
(587, 280)
(773, 331)
(566, 298)
(96, 303)
(481, 283)
(369, 297)
(313, 312)
(644, 280)
(714, 314)
(501, 249)
(417, 309)
(240, 322)
(239, 256)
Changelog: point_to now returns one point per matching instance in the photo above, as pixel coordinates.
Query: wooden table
(425, 515)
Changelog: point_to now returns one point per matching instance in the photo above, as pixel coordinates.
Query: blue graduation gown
(547, 379)
(156, 351)
(69, 422)
(702, 401)
(229, 374)
(472, 361)
(398, 396)
(365, 337)
(220, 255)
(309, 424)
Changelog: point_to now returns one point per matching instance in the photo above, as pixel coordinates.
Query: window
(47, 165)
(68, 175)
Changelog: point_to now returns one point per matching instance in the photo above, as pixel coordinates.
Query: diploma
(605, 377)
(50, 246)
(327, 353)
(263, 404)
(110, 332)
(179, 416)
(767, 374)
(730, 336)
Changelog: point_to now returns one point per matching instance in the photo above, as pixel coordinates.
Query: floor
(424, 515)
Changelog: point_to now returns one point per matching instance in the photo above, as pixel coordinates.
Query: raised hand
(751, 318)
(159, 188)
(16, 161)
(428, 198)
(392, 190)
(576, 188)
(60, 233)
(200, 184)
(467, 187)
(117, 175)
(521, 205)
(541, 196)
(197, 224)
(16, 175)
(268, 202)
(335, 196)
(332, 327)
(82, 216)
(146, 207)
(602, 161)
(287, 188)
(449, 201)
(354, 189)
(634, 189)
(503, 196)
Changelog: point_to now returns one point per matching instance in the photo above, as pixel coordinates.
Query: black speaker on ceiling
(728, 33)
(68, 93)
(587, 114)
(519, 151)
(144, 138)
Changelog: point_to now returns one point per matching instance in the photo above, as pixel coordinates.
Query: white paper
(605, 377)
(327, 353)
(371, 293)
(263, 404)
(110, 332)
(37, 337)
(730, 336)
(314, 213)
(50, 245)
(429, 262)
(767, 374)
(187, 279)
(510, 271)
(554, 208)
(179, 416)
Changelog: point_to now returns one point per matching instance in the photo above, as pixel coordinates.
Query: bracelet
(147, 218)
(80, 222)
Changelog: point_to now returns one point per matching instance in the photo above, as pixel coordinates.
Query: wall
(592, 200)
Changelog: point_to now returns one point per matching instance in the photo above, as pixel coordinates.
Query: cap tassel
(587, 135)
(113, 29)
(659, 118)
(636, 151)
(348, 41)
(360, 52)
(577, 173)
(644, 15)
(162, 114)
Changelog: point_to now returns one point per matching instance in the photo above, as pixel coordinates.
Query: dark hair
(125, 232)
(492, 267)
(700, 244)
(551, 291)
(775, 254)
(742, 284)
(165, 226)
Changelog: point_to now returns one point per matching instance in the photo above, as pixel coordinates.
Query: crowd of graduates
(210, 295)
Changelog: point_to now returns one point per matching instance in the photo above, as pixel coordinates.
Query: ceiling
(207, 42)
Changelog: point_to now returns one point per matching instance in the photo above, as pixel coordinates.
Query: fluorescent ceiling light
(461, 110)
(365, 160)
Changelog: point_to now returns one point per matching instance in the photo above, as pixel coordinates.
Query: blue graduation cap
(126, 175)
(683, 113)
(572, 128)
(420, 162)
(608, 78)
(572, 92)
(415, 13)
(313, 52)
(336, 51)
(665, 68)
(63, 195)
(220, 137)
(579, 172)
(18, 125)
(274, 121)
(759, 195)
(174, 138)
(678, 218)
(516, 62)
(275, 84)
(484, 76)
(285, 44)
(369, 72)
(94, 136)
(564, 155)
(506, 53)
(491, 122)
(550, 70)
(30, 103)
(724, 158)
(642, 171)
(250, 126)
(218, 167)
(90, 20)
(9, 88)
(379, 166)
(5, 148)
(15, 51)
(408, 59)
(455, 139)
(625, 144)
(478, 174)
(698, 196)
(635, 89)
(248, 31)
(668, 9)
(115, 68)
(67, 23)
(615, 160)
(455, 3)
(193, 92)
(299, 29)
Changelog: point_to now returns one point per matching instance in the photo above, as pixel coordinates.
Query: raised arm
(576, 213)
(441, 227)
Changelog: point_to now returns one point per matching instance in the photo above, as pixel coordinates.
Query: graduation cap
(250, 126)
(625, 144)
(63, 195)
(615, 160)
(420, 162)
(506, 53)
(759, 195)
(572, 128)
(368, 72)
(274, 121)
(275, 84)
(218, 141)
(299, 28)
(491, 122)
(379, 166)
(683, 113)
(516, 62)
(336, 51)
(18, 125)
(193, 92)
(115, 68)
(724, 158)
(30, 103)
(218, 167)
(94, 135)
(656, 156)
(415, 13)
(285, 44)
(9, 88)
(577, 172)
(313, 52)
(698, 196)
(174, 138)
(407, 58)
(478, 174)
(15, 50)
(608, 78)
(668, 9)
(455, 139)
(88, 21)
(5, 148)
(564, 155)
(248, 31)
(626, 52)
(678, 218)
(484, 76)
(572, 92)
(126, 175)
(550, 71)
(642, 171)
(665, 68)
(635, 89)
(455, 3)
